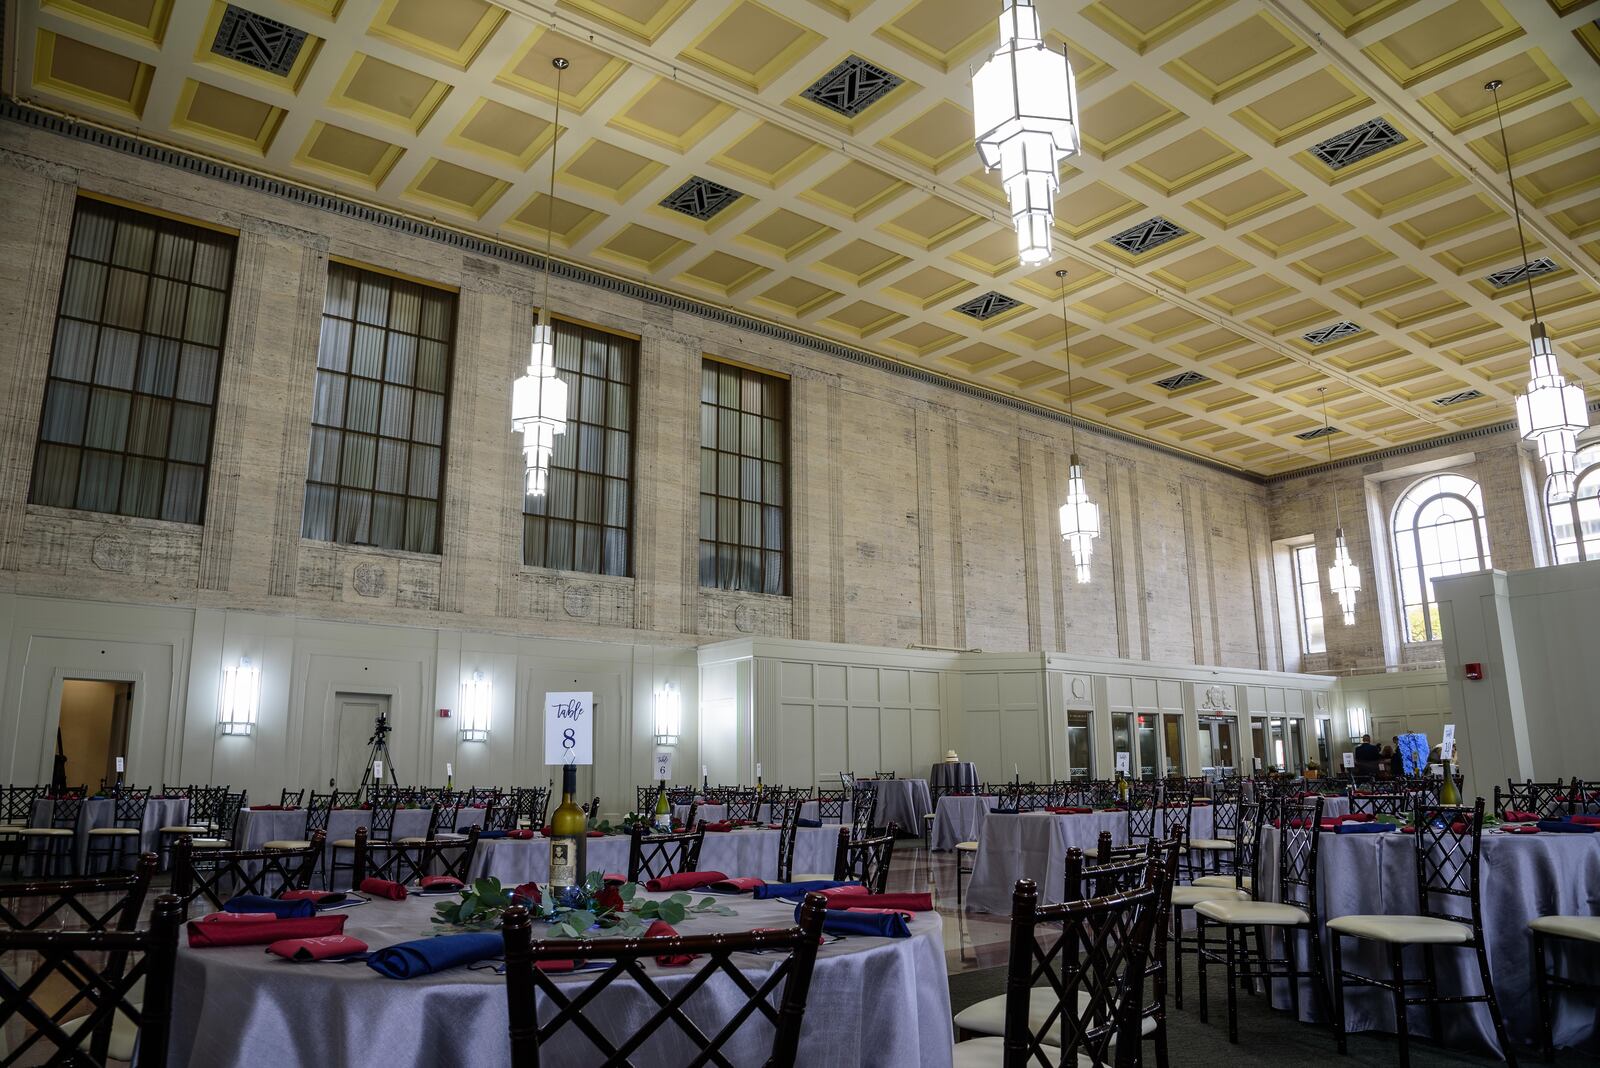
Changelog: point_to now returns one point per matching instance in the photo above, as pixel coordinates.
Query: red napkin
(684, 880)
(663, 929)
(270, 808)
(440, 882)
(1587, 821)
(612, 878)
(1517, 815)
(259, 929)
(1523, 828)
(884, 912)
(522, 834)
(320, 897)
(883, 902)
(383, 888)
(557, 966)
(721, 825)
(1408, 829)
(737, 886)
(303, 949)
(851, 890)
(545, 830)
(1358, 817)
(597, 834)
(1068, 810)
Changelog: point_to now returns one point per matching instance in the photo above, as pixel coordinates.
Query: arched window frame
(1580, 546)
(1407, 534)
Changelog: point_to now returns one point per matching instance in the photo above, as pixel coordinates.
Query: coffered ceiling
(1275, 196)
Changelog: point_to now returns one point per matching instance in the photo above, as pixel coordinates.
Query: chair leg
(1233, 985)
(1338, 993)
(1177, 955)
(1506, 1050)
(1431, 973)
(1291, 966)
(1541, 983)
(1200, 936)
(1402, 1030)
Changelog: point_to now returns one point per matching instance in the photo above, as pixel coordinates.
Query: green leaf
(486, 887)
(672, 912)
(594, 881)
(580, 920)
(681, 898)
(628, 891)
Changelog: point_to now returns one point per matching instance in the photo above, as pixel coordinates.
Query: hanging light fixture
(1344, 578)
(1080, 517)
(1025, 113)
(539, 397)
(1553, 411)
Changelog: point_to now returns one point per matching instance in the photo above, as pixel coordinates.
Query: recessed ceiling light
(700, 198)
(1182, 380)
(257, 41)
(1319, 432)
(1458, 398)
(852, 87)
(1354, 145)
(1147, 235)
(1336, 332)
(988, 306)
(1512, 275)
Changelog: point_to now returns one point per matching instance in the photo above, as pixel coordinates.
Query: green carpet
(1267, 1039)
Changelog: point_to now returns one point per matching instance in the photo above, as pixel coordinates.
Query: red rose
(609, 899)
(529, 891)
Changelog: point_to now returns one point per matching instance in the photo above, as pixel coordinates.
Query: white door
(358, 714)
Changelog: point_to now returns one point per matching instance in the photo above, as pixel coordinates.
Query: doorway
(357, 713)
(93, 730)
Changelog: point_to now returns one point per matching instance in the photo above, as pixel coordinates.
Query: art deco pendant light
(1552, 412)
(539, 397)
(1344, 578)
(1025, 114)
(1080, 517)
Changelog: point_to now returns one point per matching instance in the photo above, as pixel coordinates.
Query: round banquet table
(959, 818)
(159, 812)
(752, 852)
(953, 775)
(260, 826)
(1521, 877)
(903, 802)
(715, 813)
(1033, 845)
(873, 1001)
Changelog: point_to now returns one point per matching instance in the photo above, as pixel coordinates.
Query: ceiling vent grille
(1182, 380)
(1319, 432)
(1353, 146)
(1329, 334)
(1522, 271)
(852, 87)
(988, 306)
(1459, 398)
(1137, 240)
(257, 41)
(700, 198)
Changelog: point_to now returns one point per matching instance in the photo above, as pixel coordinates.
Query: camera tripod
(378, 749)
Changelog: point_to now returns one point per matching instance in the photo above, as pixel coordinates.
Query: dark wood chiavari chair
(830, 805)
(219, 874)
(1547, 800)
(863, 809)
(542, 1009)
(743, 805)
(81, 903)
(788, 816)
(291, 798)
(1383, 799)
(127, 828)
(865, 860)
(16, 812)
(407, 860)
(651, 856)
(50, 845)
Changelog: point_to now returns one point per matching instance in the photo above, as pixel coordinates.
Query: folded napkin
(557, 965)
(489, 836)
(798, 889)
(1365, 828)
(304, 949)
(440, 882)
(685, 880)
(316, 897)
(259, 929)
(597, 834)
(663, 929)
(1521, 828)
(382, 888)
(1356, 817)
(1068, 810)
(614, 878)
(870, 924)
(1563, 827)
(902, 913)
(272, 808)
(1590, 821)
(803, 822)
(408, 960)
(521, 834)
(255, 903)
(719, 826)
(1517, 815)
(889, 902)
(737, 886)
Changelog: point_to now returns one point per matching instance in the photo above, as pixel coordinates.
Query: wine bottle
(449, 778)
(663, 821)
(568, 833)
(1448, 794)
(1122, 787)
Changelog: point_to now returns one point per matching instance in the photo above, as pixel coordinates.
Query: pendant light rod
(1516, 206)
(560, 63)
(1327, 439)
(1066, 346)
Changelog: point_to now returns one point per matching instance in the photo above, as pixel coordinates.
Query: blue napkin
(1365, 828)
(798, 889)
(869, 924)
(409, 960)
(1564, 827)
(482, 835)
(803, 822)
(284, 910)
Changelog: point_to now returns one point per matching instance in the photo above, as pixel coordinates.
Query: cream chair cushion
(1223, 880)
(966, 847)
(1420, 929)
(124, 1034)
(988, 1017)
(1190, 896)
(192, 829)
(410, 839)
(991, 1053)
(285, 843)
(48, 832)
(1253, 913)
(813, 877)
(344, 843)
(1586, 928)
(210, 843)
(114, 830)
(1213, 843)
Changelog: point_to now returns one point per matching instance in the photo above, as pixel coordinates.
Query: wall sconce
(476, 695)
(669, 715)
(241, 697)
(1359, 723)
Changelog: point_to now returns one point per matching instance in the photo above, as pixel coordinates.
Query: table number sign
(1258, 763)
(122, 765)
(569, 728)
(663, 765)
(1447, 744)
(1349, 760)
(377, 771)
(1122, 763)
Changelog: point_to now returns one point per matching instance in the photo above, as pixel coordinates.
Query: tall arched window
(1439, 530)
(1575, 524)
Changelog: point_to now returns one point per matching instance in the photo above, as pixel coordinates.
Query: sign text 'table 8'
(569, 728)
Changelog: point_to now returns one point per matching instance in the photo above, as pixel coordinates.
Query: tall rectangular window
(132, 388)
(1308, 595)
(582, 522)
(379, 411)
(744, 523)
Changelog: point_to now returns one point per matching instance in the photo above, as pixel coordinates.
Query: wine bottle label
(563, 862)
(664, 821)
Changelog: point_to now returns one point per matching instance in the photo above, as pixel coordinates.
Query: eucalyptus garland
(593, 910)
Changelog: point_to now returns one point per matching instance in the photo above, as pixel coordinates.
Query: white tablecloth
(715, 813)
(873, 1002)
(1521, 877)
(752, 853)
(959, 818)
(903, 801)
(101, 812)
(1034, 846)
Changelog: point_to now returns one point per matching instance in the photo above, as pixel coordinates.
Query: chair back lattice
(128, 806)
(1089, 959)
(1246, 851)
(645, 798)
(65, 811)
(865, 860)
(346, 799)
(292, 798)
(219, 874)
(1225, 817)
(225, 816)
(318, 811)
(1177, 818)
(1549, 800)
(1298, 846)
(89, 978)
(545, 1012)
(788, 816)
(743, 805)
(1142, 815)
(1382, 800)
(1097, 879)
(176, 792)
(651, 856)
(1448, 841)
(408, 862)
(830, 805)
(102, 903)
(16, 804)
(863, 809)
(380, 820)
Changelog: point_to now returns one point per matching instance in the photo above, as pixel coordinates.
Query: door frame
(329, 750)
(52, 722)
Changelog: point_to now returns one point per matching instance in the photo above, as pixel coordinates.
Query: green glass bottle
(1448, 794)
(568, 835)
(1122, 787)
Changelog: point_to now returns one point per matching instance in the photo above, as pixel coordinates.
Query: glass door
(1079, 765)
(1149, 747)
(1172, 744)
(1297, 744)
(1324, 745)
(1216, 746)
(1262, 756)
(1122, 738)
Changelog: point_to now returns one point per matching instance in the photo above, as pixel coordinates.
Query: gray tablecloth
(258, 827)
(903, 801)
(959, 818)
(953, 775)
(873, 1001)
(1034, 846)
(1521, 877)
(713, 813)
(101, 812)
(751, 853)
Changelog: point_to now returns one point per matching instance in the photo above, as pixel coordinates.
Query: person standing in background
(1367, 757)
(1397, 764)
